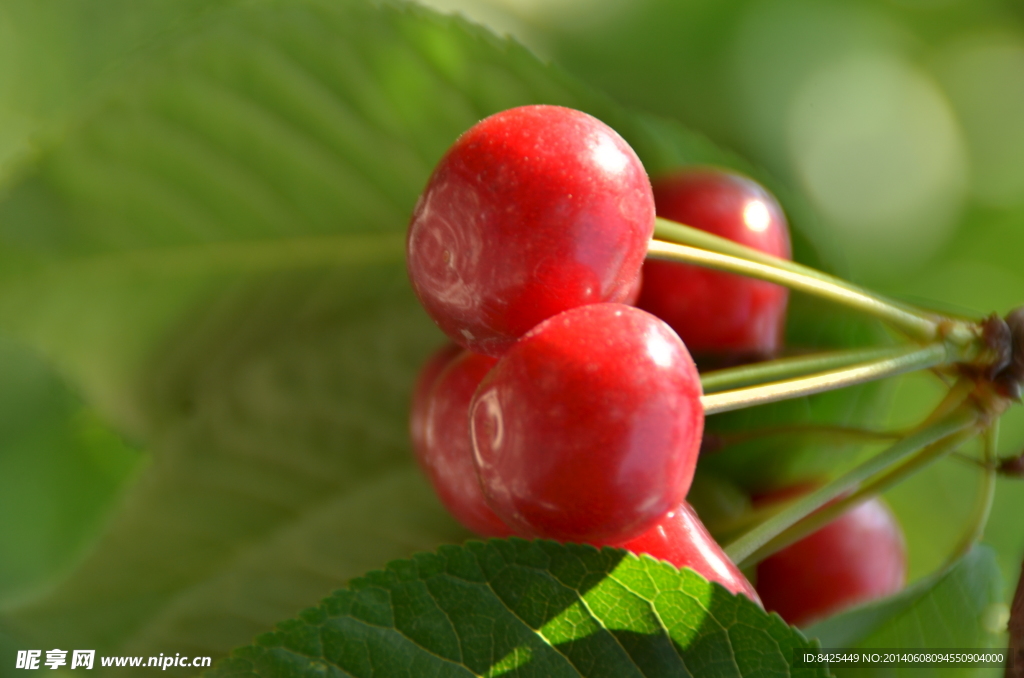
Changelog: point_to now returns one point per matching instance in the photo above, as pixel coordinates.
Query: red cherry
(447, 455)
(420, 402)
(531, 212)
(715, 312)
(633, 295)
(589, 427)
(857, 558)
(681, 539)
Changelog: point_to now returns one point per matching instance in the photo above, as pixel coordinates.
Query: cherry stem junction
(946, 341)
(676, 242)
(898, 362)
(951, 431)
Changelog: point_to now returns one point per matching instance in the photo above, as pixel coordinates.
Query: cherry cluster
(569, 406)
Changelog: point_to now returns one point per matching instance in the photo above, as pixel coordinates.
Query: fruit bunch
(569, 406)
(569, 414)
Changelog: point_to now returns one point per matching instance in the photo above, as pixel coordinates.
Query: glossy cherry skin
(859, 557)
(588, 428)
(533, 211)
(719, 313)
(681, 539)
(447, 454)
(428, 375)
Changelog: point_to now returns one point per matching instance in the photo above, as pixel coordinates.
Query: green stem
(733, 526)
(986, 494)
(968, 459)
(734, 377)
(676, 242)
(870, 488)
(741, 549)
(952, 401)
(908, 360)
(681, 234)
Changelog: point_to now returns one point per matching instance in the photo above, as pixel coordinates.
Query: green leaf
(528, 609)
(55, 56)
(9, 647)
(951, 609)
(280, 470)
(61, 470)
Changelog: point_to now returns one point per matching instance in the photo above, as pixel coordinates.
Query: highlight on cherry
(562, 411)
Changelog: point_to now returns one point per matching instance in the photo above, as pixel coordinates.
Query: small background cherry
(859, 557)
(681, 538)
(447, 455)
(420, 402)
(719, 313)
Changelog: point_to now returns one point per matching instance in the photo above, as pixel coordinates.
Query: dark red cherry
(447, 455)
(420, 402)
(681, 539)
(719, 313)
(588, 428)
(858, 557)
(533, 211)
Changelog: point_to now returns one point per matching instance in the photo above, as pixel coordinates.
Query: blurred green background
(898, 125)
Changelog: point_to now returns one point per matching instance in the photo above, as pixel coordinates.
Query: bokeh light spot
(984, 76)
(878, 150)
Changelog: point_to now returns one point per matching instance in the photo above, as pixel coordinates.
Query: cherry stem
(951, 430)
(951, 401)
(759, 373)
(680, 243)
(985, 497)
(875, 486)
(906, 360)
